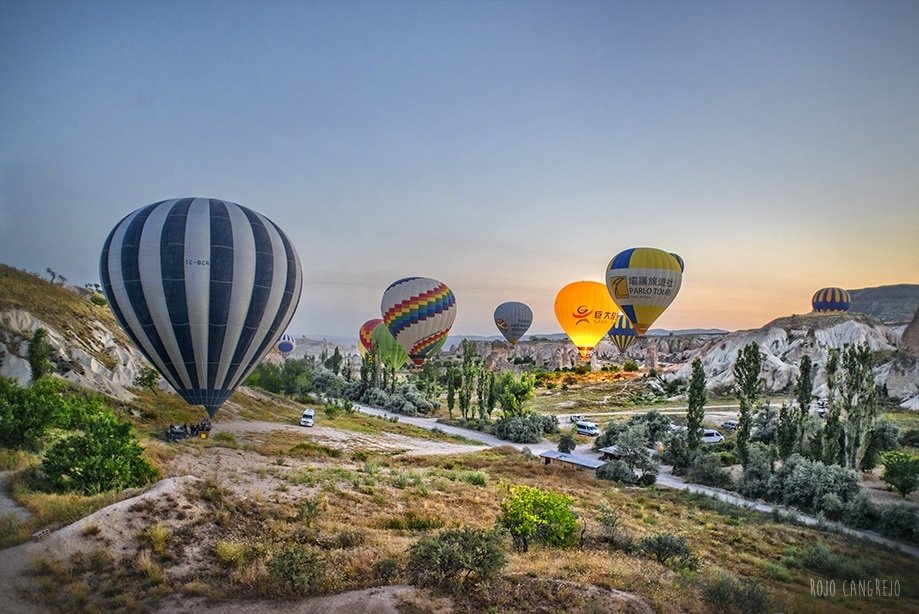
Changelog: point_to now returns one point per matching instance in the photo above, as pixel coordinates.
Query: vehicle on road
(575, 417)
(729, 424)
(711, 436)
(308, 418)
(583, 427)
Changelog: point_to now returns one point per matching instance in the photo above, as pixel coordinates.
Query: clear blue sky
(505, 148)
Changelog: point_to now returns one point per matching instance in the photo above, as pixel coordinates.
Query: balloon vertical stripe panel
(203, 287)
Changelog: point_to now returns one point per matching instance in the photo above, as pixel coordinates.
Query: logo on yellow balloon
(620, 287)
(581, 314)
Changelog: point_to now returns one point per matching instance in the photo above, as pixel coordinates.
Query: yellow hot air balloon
(585, 312)
(644, 281)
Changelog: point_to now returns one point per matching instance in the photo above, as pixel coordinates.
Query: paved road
(665, 478)
(7, 505)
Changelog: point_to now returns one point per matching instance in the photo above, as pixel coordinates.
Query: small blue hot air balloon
(285, 345)
(513, 319)
(203, 287)
(623, 334)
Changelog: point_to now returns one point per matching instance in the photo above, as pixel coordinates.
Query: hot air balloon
(644, 281)
(830, 299)
(364, 341)
(585, 312)
(418, 312)
(203, 287)
(285, 345)
(623, 334)
(387, 349)
(513, 319)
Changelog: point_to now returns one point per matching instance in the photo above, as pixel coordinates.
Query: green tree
(804, 394)
(567, 443)
(106, 456)
(39, 355)
(452, 376)
(467, 380)
(747, 388)
(513, 392)
(333, 362)
(901, 472)
(491, 394)
(696, 410)
(787, 432)
(26, 414)
(533, 514)
(858, 397)
(147, 377)
(480, 393)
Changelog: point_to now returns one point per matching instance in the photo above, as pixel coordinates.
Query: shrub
(669, 548)
(158, 537)
(105, 457)
(231, 553)
(899, 521)
(677, 454)
(726, 593)
(375, 396)
(630, 366)
(910, 438)
(567, 443)
(706, 469)
(617, 471)
(412, 521)
(818, 557)
(884, 438)
(386, 570)
(831, 506)
(803, 483)
(456, 556)
(295, 570)
(861, 512)
(530, 513)
(648, 477)
(610, 434)
(609, 521)
(525, 429)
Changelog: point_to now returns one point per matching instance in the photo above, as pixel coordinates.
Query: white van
(712, 436)
(308, 417)
(584, 427)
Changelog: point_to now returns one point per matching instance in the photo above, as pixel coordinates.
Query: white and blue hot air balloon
(285, 345)
(203, 287)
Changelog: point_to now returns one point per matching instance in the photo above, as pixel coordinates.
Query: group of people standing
(176, 432)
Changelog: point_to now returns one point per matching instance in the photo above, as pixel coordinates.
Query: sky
(504, 148)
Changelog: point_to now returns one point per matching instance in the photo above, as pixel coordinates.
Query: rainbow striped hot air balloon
(419, 312)
(623, 334)
(285, 345)
(828, 300)
(365, 341)
(644, 281)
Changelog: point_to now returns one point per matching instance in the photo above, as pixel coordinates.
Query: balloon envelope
(513, 319)
(387, 348)
(831, 299)
(644, 281)
(203, 287)
(419, 312)
(285, 345)
(585, 312)
(365, 343)
(623, 334)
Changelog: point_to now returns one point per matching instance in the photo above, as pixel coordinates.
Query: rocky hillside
(903, 379)
(90, 349)
(889, 304)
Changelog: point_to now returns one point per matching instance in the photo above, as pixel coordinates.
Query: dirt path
(7, 505)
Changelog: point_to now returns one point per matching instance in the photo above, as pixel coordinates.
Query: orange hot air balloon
(585, 312)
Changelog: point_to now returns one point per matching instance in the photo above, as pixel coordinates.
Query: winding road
(665, 479)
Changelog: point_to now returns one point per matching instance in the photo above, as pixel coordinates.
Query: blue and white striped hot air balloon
(203, 287)
(285, 345)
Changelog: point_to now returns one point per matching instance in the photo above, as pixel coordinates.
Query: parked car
(575, 417)
(729, 424)
(711, 436)
(308, 417)
(676, 428)
(584, 427)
